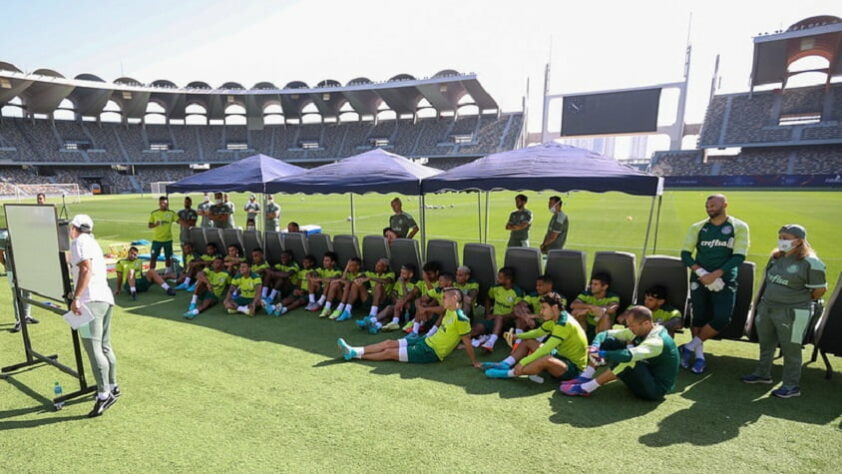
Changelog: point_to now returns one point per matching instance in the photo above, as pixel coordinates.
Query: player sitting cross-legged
(244, 292)
(211, 286)
(564, 353)
(343, 289)
(455, 327)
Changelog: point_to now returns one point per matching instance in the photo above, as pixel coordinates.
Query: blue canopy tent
(373, 171)
(247, 175)
(549, 166)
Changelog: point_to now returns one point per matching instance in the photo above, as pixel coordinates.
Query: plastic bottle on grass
(57, 391)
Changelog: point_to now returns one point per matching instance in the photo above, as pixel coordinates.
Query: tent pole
(479, 217)
(648, 228)
(262, 217)
(423, 212)
(485, 239)
(657, 224)
(353, 217)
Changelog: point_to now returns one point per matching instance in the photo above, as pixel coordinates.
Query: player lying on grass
(233, 259)
(499, 309)
(528, 310)
(425, 291)
(283, 278)
(455, 327)
(401, 296)
(564, 353)
(375, 287)
(342, 288)
(643, 356)
(211, 286)
(596, 307)
(244, 292)
(468, 287)
(320, 281)
(298, 298)
(662, 313)
(130, 276)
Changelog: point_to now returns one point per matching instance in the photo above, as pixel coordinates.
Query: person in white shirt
(92, 295)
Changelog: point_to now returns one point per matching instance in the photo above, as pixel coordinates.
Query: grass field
(228, 393)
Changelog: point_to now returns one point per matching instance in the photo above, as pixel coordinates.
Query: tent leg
(422, 210)
(648, 228)
(485, 238)
(657, 224)
(479, 217)
(353, 216)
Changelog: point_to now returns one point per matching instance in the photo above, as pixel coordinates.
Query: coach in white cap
(92, 295)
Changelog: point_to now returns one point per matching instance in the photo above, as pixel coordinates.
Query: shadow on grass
(45, 406)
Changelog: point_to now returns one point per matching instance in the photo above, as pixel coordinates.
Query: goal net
(28, 192)
(159, 187)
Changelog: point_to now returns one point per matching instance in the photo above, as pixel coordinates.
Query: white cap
(253, 196)
(82, 221)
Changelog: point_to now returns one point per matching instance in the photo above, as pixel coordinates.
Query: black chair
(827, 334)
(375, 247)
(567, 270)
(481, 259)
(234, 237)
(621, 267)
(445, 252)
(745, 289)
(295, 242)
(318, 245)
(346, 248)
(214, 236)
(669, 272)
(252, 239)
(197, 238)
(273, 247)
(526, 261)
(406, 251)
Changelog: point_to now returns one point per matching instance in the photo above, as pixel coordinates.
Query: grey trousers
(784, 326)
(96, 338)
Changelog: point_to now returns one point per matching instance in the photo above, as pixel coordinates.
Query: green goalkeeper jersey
(716, 245)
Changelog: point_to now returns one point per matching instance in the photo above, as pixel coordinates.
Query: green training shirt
(791, 281)
(715, 246)
(218, 281)
(454, 325)
(186, 215)
(567, 339)
(163, 232)
(656, 349)
(504, 299)
(665, 313)
(204, 207)
(587, 297)
(124, 266)
(558, 223)
(272, 223)
(247, 284)
(401, 224)
(519, 217)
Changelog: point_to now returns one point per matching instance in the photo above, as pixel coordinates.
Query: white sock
(322, 299)
(589, 372)
(373, 311)
(133, 289)
(341, 307)
(518, 331)
(312, 298)
(194, 299)
(359, 352)
(264, 292)
(243, 309)
(511, 373)
(396, 320)
(692, 344)
(377, 324)
(492, 339)
(102, 395)
(187, 281)
(475, 342)
(590, 386)
(328, 305)
(416, 327)
(510, 361)
(432, 331)
(700, 350)
(165, 286)
(273, 294)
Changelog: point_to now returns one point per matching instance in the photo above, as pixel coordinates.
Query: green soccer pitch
(232, 393)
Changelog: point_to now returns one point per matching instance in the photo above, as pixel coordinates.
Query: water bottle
(536, 378)
(57, 391)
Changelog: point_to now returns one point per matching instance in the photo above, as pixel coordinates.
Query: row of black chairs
(567, 268)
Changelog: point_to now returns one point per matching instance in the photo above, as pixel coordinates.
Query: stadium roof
(43, 90)
(814, 36)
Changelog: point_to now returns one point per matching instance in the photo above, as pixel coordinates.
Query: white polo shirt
(86, 248)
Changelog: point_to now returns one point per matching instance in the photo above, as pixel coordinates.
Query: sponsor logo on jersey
(716, 243)
(777, 279)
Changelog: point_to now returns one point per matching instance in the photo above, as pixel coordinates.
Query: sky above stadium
(595, 45)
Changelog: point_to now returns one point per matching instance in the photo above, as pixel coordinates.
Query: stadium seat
(483, 264)
(346, 247)
(375, 247)
(296, 243)
(252, 239)
(405, 251)
(445, 252)
(828, 330)
(234, 237)
(671, 273)
(197, 238)
(621, 267)
(273, 247)
(745, 290)
(318, 245)
(526, 261)
(567, 269)
(214, 236)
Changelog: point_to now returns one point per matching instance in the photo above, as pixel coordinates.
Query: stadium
(240, 388)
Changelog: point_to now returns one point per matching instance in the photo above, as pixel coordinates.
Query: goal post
(28, 192)
(159, 187)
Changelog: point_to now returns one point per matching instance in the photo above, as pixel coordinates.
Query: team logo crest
(694, 286)
(727, 230)
(792, 268)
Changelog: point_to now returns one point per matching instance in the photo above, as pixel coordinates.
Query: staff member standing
(231, 208)
(402, 223)
(272, 215)
(252, 208)
(93, 295)
(186, 221)
(27, 310)
(556, 235)
(721, 245)
(795, 277)
(204, 211)
(519, 223)
(160, 221)
(220, 213)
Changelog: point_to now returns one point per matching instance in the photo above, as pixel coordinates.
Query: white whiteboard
(33, 233)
